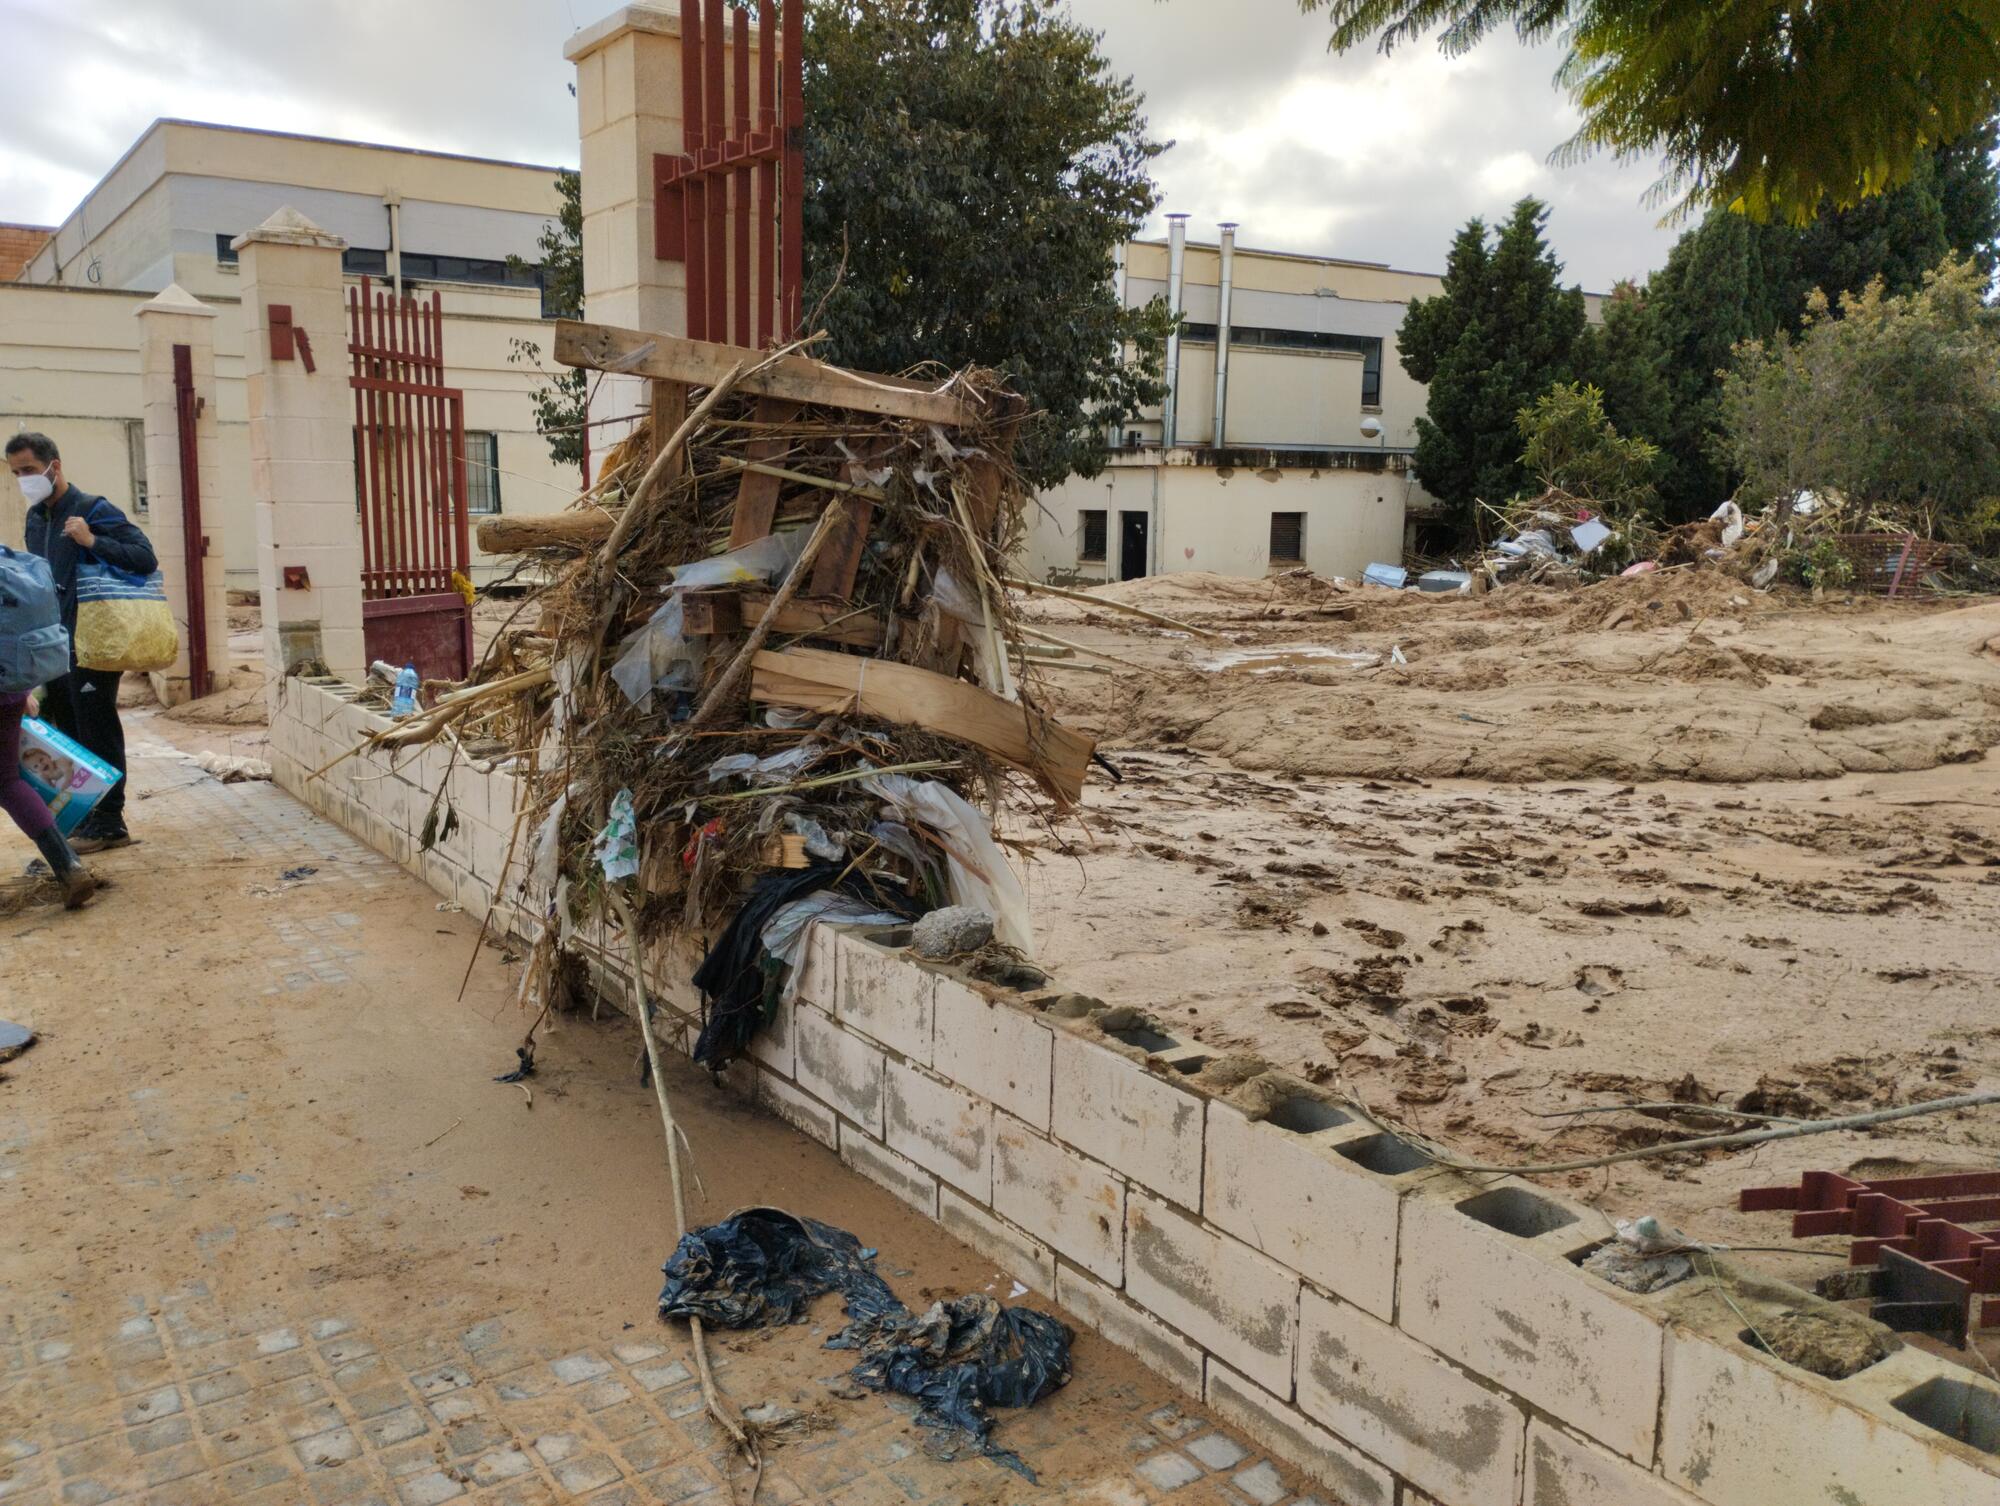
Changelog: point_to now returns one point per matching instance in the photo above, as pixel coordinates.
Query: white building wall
(1203, 518)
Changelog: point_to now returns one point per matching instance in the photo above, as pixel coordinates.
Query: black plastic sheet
(762, 1266)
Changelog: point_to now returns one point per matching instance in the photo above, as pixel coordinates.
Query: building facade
(166, 214)
(1286, 436)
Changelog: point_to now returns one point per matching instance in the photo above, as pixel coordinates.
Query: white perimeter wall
(69, 366)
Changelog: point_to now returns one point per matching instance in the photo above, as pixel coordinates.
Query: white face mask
(36, 486)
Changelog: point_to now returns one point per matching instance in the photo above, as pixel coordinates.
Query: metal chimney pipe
(1176, 260)
(1228, 249)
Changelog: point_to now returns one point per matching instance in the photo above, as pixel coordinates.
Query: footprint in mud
(1375, 935)
(1466, 939)
(1598, 980)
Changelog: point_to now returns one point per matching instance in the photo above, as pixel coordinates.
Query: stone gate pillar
(628, 100)
(177, 318)
(301, 446)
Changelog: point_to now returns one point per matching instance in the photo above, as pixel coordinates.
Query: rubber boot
(77, 882)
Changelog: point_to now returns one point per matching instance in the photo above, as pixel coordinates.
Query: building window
(419, 266)
(1091, 550)
(1288, 538)
(482, 472)
(1257, 337)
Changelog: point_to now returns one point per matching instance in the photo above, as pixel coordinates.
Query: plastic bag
(789, 931)
(767, 559)
(617, 846)
(1732, 524)
(762, 1266)
(978, 871)
(123, 621)
(657, 656)
(779, 768)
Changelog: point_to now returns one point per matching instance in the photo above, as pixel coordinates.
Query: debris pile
(770, 677)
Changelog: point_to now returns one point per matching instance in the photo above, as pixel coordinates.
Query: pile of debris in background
(1821, 541)
(771, 679)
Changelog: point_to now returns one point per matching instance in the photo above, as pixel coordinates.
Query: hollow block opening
(1517, 1211)
(1385, 1154)
(1306, 1116)
(1956, 1408)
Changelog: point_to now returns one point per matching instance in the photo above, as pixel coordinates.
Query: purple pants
(17, 796)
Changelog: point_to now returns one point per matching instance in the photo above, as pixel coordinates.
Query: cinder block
(1407, 1406)
(1353, 1477)
(775, 1045)
(998, 1050)
(1566, 1471)
(1057, 1195)
(1141, 1125)
(1744, 1429)
(1027, 1260)
(886, 996)
(838, 1068)
(1238, 1305)
(1515, 1310)
(885, 1168)
(1105, 1313)
(1291, 1195)
(944, 1129)
(818, 974)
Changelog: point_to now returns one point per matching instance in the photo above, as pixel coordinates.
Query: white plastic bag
(978, 872)
(789, 930)
(769, 558)
(779, 768)
(657, 656)
(1732, 528)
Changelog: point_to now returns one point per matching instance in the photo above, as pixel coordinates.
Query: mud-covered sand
(1554, 864)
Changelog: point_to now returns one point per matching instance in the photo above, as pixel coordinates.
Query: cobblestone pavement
(276, 1237)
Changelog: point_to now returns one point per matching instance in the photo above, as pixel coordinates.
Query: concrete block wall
(1407, 1336)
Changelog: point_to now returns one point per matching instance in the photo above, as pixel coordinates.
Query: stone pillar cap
(287, 227)
(175, 299)
(627, 18)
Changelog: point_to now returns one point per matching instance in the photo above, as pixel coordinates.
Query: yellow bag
(123, 620)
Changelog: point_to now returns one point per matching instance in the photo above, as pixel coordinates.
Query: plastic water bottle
(404, 701)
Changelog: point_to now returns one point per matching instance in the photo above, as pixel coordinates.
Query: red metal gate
(194, 553)
(702, 198)
(409, 479)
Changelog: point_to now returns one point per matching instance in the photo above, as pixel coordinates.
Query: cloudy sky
(1361, 156)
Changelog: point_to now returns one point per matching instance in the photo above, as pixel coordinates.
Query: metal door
(194, 553)
(409, 480)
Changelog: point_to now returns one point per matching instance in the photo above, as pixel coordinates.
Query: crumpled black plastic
(739, 980)
(762, 1267)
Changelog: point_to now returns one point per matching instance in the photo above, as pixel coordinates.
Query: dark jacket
(119, 542)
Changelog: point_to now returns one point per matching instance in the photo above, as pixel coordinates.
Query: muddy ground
(1661, 841)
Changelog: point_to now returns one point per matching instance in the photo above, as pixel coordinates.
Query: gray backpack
(34, 645)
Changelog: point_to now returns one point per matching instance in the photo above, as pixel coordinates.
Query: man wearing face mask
(65, 525)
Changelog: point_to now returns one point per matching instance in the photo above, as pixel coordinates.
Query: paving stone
(398, 1426)
(323, 1450)
(500, 1464)
(661, 1377)
(586, 1473)
(1168, 1471)
(430, 1489)
(1217, 1451)
(579, 1367)
(1261, 1482)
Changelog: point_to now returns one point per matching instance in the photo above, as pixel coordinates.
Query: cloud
(1365, 156)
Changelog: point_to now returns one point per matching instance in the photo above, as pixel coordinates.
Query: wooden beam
(721, 612)
(849, 684)
(702, 363)
(757, 493)
(578, 531)
(670, 411)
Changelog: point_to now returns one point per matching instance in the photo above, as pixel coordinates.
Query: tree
(561, 400)
(1895, 404)
(1573, 448)
(971, 167)
(1729, 280)
(1771, 105)
(1622, 358)
(1490, 343)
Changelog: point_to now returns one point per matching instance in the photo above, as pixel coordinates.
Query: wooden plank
(578, 531)
(726, 611)
(757, 493)
(840, 559)
(702, 363)
(849, 684)
(670, 411)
